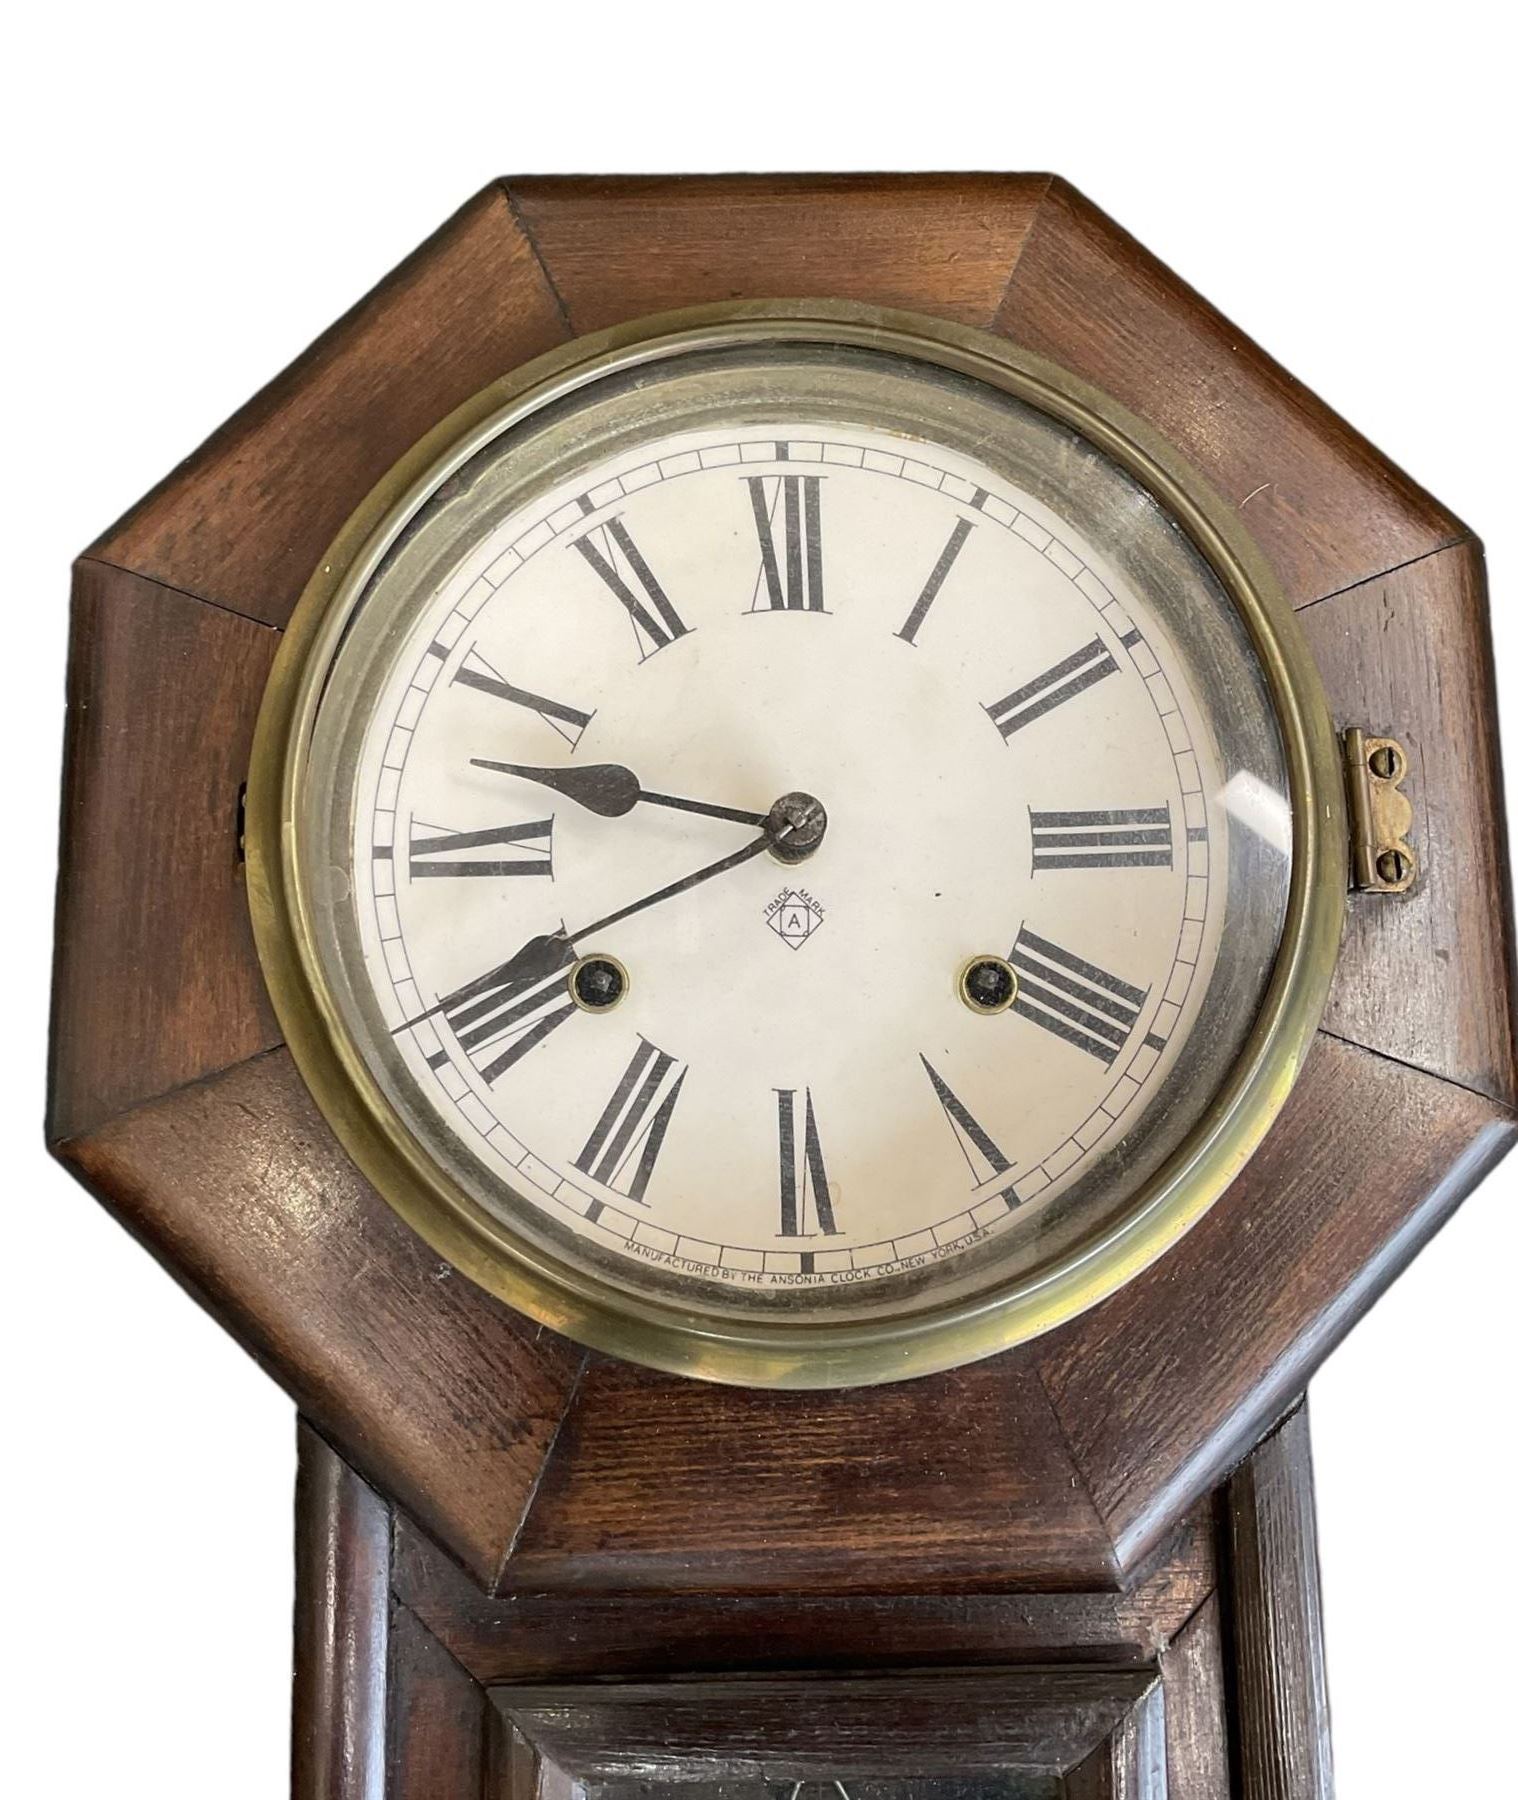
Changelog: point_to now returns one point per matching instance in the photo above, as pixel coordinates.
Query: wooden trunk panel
(440, 1734)
(156, 980)
(1426, 976)
(1220, 1707)
(1280, 1676)
(447, 1398)
(246, 518)
(1326, 508)
(342, 1629)
(943, 244)
(1193, 1667)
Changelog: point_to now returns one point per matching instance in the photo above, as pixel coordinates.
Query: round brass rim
(654, 1331)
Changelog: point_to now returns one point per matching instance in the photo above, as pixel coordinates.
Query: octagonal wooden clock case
(789, 887)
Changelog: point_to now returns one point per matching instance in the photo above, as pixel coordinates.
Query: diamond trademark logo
(793, 915)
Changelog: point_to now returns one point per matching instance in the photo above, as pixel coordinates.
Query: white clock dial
(692, 793)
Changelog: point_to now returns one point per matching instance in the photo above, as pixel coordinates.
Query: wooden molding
(1281, 1683)
(459, 1693)
(244, 520)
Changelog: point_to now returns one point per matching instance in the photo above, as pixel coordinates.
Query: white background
(193, 193)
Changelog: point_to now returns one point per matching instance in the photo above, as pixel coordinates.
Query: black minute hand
(612, 790)
(541, 957)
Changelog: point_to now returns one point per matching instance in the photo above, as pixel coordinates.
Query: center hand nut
(796, 824)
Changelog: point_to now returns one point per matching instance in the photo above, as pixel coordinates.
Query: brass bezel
(656, 1332)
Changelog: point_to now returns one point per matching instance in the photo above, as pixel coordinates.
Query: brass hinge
(1381, 861)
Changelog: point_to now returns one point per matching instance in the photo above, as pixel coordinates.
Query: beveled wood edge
(1453, 587)
(1062, 192)
(523, 190)
(347, 1688)
(340, 1403)
(498, 1580)
(1274, 1599)
(1086, 1562)
(1464, 539)
(1288, 1379)
(1132, 1763)
(1139, 1545)
(338, 1738)
(266, 399)
(503, 1638)
(1090, 1711)
(63, 1117)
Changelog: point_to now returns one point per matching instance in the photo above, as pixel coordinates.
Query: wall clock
(836, 902)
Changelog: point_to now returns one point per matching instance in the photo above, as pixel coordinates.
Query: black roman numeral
(794, 585)
(956, 543)
(1055, 686)
(1136, 838)
(976, 1145)
(503, 1023)
(630, 1132)
(435, 850)
(805, 1198)
(619, 562)
(475, 672)
(1072, 998)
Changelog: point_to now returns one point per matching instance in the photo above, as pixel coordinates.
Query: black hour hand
(612, 790)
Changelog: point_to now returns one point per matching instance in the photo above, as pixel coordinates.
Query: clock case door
(546, 1484)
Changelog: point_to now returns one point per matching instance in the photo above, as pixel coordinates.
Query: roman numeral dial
(624, 1144)
(609, 550)
(790, 563)
(806, 1200)
(1058, 686)
(1124, 838)
(983, 1156)
(436, 851)
(771, 871)
(1073, 999)
(475, 672)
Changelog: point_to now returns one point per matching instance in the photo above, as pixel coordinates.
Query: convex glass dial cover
(790, 842)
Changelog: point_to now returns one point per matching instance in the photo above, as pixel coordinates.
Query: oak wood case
(545, 1483)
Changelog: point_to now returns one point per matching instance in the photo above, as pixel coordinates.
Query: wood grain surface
(1280, 1677)
(446, 1398)
(961, 1480)
(1427, 977)
(559, 1698)
(156, 981)
(775, 1729)
(245, 519)
(342, 1630)
(942, 244)
(534, 1637)
(1326, 508)
(1162, 1388)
